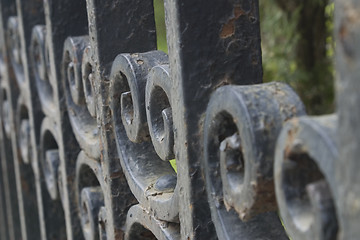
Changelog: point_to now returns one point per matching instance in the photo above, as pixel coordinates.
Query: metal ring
(49, 158)
(159, 112)
(89, 193)
(306, 154)
(241, 127)
(40, 70)
(14, 43)
(138, 217)
(84, 125)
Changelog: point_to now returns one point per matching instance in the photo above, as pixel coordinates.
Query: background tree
(298, 49)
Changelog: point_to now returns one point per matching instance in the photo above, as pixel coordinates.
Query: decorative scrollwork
(90, 197)
(306, 153)
(91, 142)
(159, 112)
(141, 225)
(23, 123)
(88, 79)
(49, 158)
(14, 42)
(41, 70)
(241, 127)
(73, 51)
(151, 180)
(129, 76)
(92, 200)
(6, 112)
(102, 222)
(83, 123)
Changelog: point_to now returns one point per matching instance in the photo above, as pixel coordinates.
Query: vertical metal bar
(347, 32)
(211, 43)
(11, 182)
(65, 18)
(3, 223)
(134, 32)
(29, 187)
(4, 218)
(11, 199)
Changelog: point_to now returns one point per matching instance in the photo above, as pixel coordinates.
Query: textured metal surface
(347, 34)
(93, 118)
(241, 127)
(304, 172)
(208, 47)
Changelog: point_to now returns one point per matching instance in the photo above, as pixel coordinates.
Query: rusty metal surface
(92, 114)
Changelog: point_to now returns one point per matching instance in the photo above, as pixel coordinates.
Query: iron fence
(93, 118)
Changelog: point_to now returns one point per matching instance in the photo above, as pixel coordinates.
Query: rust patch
(343, 32)
(290, 139)
(228, 28)
(292, 134)
(119, 235)
(116, 174)
(263, 200)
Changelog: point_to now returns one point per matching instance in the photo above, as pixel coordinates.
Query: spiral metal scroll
(41, 72)
(140, 226)
(152, 181)
(6, 112)
(90, 198)
(83, 123)
(50, 158)
(159, 111)
(14, 41)
(88, 81)
(23, 123)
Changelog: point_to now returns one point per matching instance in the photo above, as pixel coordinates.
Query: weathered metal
(241, 127)
(159, 111)
(305, 159)
(347, 34)
(92, 115)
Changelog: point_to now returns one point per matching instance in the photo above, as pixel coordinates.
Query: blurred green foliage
(173, 164)
(286, 36)
(160, 25)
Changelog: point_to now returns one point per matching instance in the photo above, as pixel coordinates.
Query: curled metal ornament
(60, 185)
(88, 80)
(72, 58)
(49, 156)
(159, 112)
(102, 224)
(84, 125)
(129, 75)
(40, 69)
(151, 180)
(306, 154)
(90, 196)
(23, 128)
(14, 43)
(5, 112)
(141, 225)
(241, 127)
(92, 200)
(50, 74)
